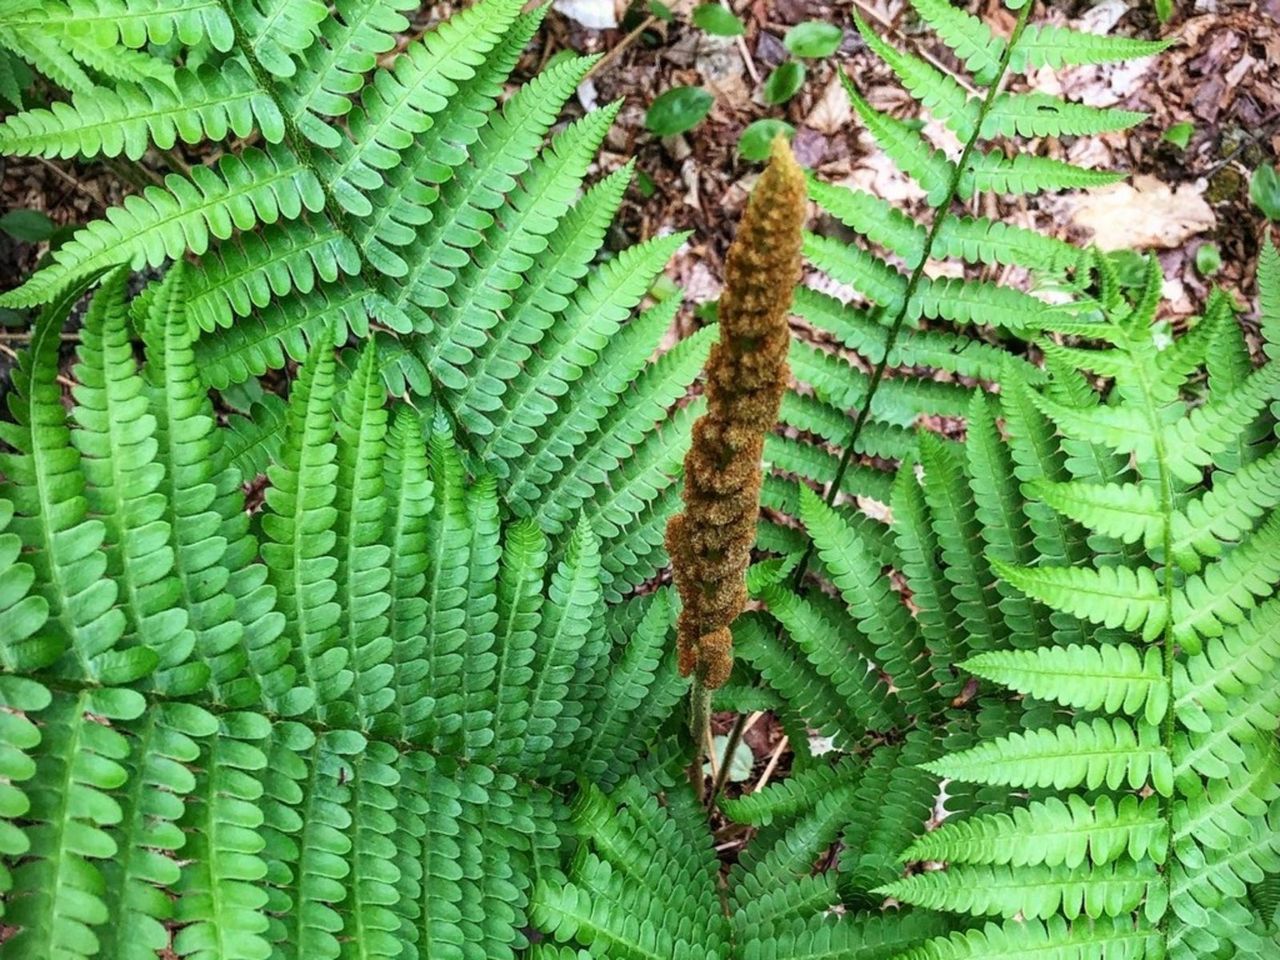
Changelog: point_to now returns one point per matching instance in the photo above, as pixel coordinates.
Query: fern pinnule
(746, 375)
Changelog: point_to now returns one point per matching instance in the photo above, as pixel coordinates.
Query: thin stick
(742, 48)
(741, 725)
(75, 184)
(619, 48)
(13, 355)
(772, 765)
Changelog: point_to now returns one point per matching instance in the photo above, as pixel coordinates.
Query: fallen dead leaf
(592, 14)
(832, 113)
(1143, 214)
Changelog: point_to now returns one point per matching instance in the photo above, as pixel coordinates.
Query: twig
(742, 49)
(93, 195)
(13, 355)
(619, 48)
(24, 336)
(740, 726)
(772, 764)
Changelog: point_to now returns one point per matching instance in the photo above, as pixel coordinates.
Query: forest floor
(1222, 77)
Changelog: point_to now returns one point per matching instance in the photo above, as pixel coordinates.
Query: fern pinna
(883, 304)
(365, 192)
(1144, 823)
(340, 724)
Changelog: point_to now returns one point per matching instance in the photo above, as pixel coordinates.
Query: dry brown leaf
(832, 113)
(1143, 214)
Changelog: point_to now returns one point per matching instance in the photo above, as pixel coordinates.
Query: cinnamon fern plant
(1102, 568)
(376, 658)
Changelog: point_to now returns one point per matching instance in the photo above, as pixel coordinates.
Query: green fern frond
(1111, 596)
(201, 104)
(258, 187)
(264, 787)
(1038, 892)
(1050, 45)
(1055, 939)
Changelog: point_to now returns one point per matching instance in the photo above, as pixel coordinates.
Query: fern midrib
(301, 149)
(124, 546)
(1165, 479)
(60, 858)
(131, 824)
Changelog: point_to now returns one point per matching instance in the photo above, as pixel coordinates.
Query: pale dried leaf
(1143, 214)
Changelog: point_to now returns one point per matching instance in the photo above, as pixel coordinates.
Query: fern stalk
(1167, 592)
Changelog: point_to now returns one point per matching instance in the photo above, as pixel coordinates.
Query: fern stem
(730, 747)
(895, 328)
(301, 148)
(1168, 651)
(699, 723)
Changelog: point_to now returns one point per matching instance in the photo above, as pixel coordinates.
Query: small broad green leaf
(678, 110)
(1179, 134)
(29, 226)
(740, 763)
(813, 39)
(756, 139)
(1164, 10)
(661, 11)
(663, 288)
(1131, 268)
(1264, 190)
(716, 20)
(645, 184)
(1208, 259)
(783, 83)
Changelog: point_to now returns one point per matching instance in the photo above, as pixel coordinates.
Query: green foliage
(644, 885)
(678, 110)
(759, 135)
(341, 721)
(1163, 778)
(388, 195)
(784, 82)
(812, 39)
(942, 333)
(717, 20)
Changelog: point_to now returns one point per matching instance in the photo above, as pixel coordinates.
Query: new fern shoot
(710, 542)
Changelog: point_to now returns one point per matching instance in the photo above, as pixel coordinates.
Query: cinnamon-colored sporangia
(710, 543)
